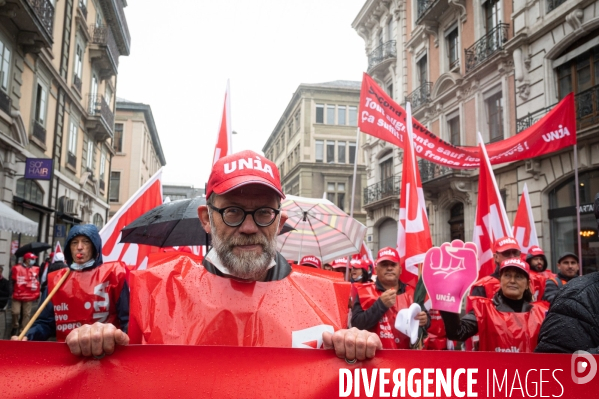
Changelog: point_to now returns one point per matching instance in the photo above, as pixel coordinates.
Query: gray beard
(247, 266)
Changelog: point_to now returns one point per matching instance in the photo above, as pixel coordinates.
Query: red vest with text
(507, 331)
(180, 302)
(86, 297)
(27, 286)
(385, 329)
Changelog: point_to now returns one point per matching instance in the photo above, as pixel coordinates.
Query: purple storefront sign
(38, 168)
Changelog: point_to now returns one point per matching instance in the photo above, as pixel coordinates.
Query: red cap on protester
(505, 243)
(240, 169)
(29, 255)
(359, 264)
(337, 263)
(535, 251)
(517, 263)
(311, 260)
(387, 253)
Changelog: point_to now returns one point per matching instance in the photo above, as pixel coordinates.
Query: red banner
(383, 118)
(44, 369)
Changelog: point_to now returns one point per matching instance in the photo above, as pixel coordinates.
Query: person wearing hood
(94, 293)
(537, 261)
(568, 268)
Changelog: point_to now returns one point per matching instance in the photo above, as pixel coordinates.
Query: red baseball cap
(387, 253)
(337, 263)
(517, 263)
(358, 264)
(29, 255)
(311, 260)
(505, 243)
(535, 251)
(240, 169)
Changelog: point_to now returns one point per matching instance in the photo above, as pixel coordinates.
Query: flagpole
(353, 188)
(577, 208)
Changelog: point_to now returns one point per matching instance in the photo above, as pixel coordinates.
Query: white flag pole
(353, 192)
(577, 208)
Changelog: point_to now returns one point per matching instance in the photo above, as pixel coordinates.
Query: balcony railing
(83, 9)
(45, 13)
(383, 189)
(423, 7)
(98, 107)
(4, 102)
(587, 111)
(430, 171)
(488, 45)
(71, 159)
(381, 53)
(39, 132)
(553, 4)
(77, 82)
(102, 35)
(420, 96)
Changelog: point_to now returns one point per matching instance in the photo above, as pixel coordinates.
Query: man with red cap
(538, 271)
(510, 321)
(311, 261)
(25, 291)
(340, 265)
(245, 293)
(377, 304)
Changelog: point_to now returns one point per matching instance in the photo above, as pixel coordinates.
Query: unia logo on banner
(448, 272)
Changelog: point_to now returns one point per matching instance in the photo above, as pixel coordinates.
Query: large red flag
(524, 230)
(224, 144)
(491, 221)
(413, 234)
(147, 197)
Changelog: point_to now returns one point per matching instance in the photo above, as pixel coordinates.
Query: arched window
(29, 190)
(98, 221)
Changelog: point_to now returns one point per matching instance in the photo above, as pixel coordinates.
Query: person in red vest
(359, 272)
(538, 271)
(94, 292)
(25, 291)
(377, 304)
(509, 322)
(568, 268)
(244, 293)
(311, 261)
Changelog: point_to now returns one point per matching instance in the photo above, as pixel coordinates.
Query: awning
(32, 205)
(11, 220)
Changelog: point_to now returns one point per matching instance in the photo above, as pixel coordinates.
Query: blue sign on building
(60, 230)
(38, 168)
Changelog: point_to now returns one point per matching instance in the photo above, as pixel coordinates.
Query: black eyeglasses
(234, 216)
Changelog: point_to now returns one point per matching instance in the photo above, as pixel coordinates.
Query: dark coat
(572, 322)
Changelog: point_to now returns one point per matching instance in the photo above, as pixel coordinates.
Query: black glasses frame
(245, 213)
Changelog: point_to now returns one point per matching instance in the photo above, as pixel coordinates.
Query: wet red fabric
(385, 329)
(180, 302)
(437, 337)
(86, 297)
(27, 287)
(507, 331)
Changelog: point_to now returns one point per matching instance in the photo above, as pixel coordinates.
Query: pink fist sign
(448, 272)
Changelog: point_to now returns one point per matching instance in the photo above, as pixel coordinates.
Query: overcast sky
(183, 52)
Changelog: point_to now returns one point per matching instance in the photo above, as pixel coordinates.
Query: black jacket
(572, 322)
(479, 290)
(367, 319)
(461, 330)
(275, 273)
(552, 289)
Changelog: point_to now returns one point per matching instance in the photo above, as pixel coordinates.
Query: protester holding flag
(568, 268)
(244, 293)
(377, 304)
(509, 322)
(95, 292)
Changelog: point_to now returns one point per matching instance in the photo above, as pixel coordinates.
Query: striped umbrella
(321, 229)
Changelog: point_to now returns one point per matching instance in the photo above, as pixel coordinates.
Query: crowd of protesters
(521, 307)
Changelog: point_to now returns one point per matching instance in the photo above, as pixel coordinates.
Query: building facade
(175, 192)
(59, 61)
(494, 67)
(137, 151)
(314, 144)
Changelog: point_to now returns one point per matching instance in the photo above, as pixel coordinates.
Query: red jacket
(27, 285)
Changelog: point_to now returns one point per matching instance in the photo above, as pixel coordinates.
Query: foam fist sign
(448, 272)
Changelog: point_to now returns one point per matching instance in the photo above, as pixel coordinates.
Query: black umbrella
(33, 247)
(172, 224)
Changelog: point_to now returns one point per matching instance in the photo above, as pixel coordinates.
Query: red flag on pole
(524, 228)
(413, 234)
(491, 221)
(57, 248)
(224, 144)
(147, 197)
